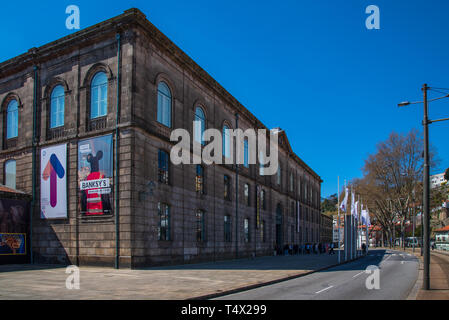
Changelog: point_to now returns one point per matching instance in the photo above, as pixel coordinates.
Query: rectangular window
(262, 200)
(164, 221)
(227, 188)
(199, 179)
(227, 228)
(261, 165)
(10, 174)
(163, 167)
(200, 226)
(263, 231)
(246, 193)
(246, 230)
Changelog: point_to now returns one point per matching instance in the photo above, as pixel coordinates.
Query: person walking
(331, 250)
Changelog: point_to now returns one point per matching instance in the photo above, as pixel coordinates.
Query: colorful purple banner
(54, 182)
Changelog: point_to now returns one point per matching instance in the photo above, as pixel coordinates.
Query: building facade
(123, 85)
(326, 229)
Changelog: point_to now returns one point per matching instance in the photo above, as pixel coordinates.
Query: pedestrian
(331, 251)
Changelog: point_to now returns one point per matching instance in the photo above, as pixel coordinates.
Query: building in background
(442, 238)
(103, 102)
(437, 180)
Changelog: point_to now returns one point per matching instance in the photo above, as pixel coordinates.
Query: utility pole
(426, 198)
(236, 194)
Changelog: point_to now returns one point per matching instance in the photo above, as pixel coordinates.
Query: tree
(329, 204)
(391, 186)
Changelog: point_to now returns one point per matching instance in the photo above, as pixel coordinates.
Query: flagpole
(345, 228)
(338, 217)
(351, 229)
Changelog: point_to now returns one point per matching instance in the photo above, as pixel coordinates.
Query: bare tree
(392, 179)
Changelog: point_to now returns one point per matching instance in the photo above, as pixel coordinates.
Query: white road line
(358, 274)
(324, 289)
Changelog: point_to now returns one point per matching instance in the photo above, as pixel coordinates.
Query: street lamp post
(426, 187)
(426, 280)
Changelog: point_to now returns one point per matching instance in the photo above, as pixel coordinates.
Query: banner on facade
(12, 244)
(54, 182)
(95, 170)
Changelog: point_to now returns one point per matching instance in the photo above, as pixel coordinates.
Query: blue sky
(310, 67)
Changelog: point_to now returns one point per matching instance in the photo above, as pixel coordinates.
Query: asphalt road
(398, 272)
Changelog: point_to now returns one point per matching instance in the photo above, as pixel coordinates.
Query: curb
(413, 294)
(263, 284)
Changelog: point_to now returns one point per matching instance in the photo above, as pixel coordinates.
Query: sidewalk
(172, 282)
(439, 276)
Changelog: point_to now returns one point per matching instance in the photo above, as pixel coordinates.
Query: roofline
(129, 17)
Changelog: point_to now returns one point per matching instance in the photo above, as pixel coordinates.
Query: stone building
(326, 228)
(123, 79)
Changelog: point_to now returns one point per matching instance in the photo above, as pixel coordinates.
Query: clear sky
(309, 67)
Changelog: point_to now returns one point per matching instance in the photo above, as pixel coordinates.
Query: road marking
(358, 274)
(324, 289)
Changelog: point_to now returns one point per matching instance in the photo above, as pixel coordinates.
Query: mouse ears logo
(52, 170)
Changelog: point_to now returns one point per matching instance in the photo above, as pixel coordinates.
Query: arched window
(99, 95)
(12, 120)
(164, 104)
(245, 153)
(57, 107)
(200, 125)
(278, 176)
(226, 142)
(10, 174)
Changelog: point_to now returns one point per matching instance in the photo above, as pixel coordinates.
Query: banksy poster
(95, 168)
(54, 182)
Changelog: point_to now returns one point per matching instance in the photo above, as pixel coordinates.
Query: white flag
(368, 220)
(344, 203)
(353, 203)
(356, 210)
(363, 216)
